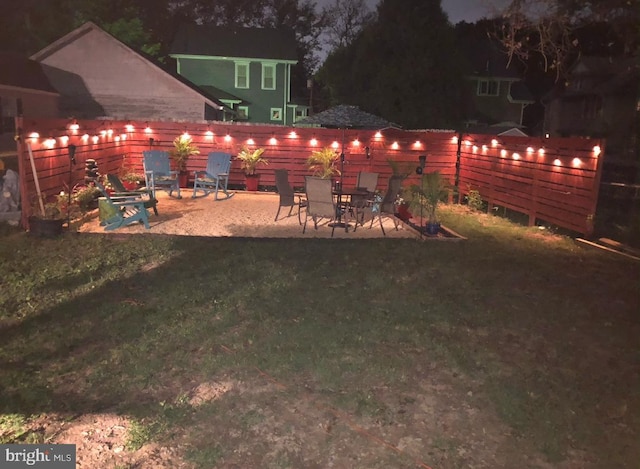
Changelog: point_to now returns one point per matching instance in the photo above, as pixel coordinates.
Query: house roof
(89, 26)
(22, 72)
(235, 41)
(606, 76)
(345, 116)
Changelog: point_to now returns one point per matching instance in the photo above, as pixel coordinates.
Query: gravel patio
(245, 214)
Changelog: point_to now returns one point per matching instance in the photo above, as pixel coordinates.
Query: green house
(248, 69)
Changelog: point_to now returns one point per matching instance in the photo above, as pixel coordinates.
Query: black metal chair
(287, 195)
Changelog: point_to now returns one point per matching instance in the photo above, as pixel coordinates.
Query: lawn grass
(514, 348)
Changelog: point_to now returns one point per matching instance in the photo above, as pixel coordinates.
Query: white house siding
(100, 77)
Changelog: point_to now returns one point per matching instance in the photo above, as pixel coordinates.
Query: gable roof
(234, 42)
(22, 72)
(89, 26)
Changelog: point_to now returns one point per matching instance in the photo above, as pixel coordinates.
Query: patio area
(245, 214)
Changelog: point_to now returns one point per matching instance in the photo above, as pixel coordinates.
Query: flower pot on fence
(251, 182)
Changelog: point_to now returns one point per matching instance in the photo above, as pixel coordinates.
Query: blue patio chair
(117, 212)
(158, 173)
(215, 177)
(121, 191)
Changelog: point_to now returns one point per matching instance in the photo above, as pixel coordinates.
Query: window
(268, 76)
(488, 88)
(242, 75)
(301, 113)
(276, 113)
(243, 112)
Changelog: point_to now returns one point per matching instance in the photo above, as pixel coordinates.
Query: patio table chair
(287, 195)
(359, 203)
(387, 206)
(320, 203)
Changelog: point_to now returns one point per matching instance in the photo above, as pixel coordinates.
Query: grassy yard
(515, 348)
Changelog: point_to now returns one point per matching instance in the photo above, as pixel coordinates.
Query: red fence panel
(555, 180)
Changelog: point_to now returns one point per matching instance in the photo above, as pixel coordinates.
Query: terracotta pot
(252, 181)
(183, 178)
(403, 212)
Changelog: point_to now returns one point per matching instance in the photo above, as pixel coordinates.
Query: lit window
(242, 75)
(488, 88)
(276, 113)
(268, 76)
(243, 112)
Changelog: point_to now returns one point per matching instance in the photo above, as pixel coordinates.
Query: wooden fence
(532, 182)
(555, 180)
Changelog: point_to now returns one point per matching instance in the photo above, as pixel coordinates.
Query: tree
(345, 20)
(555, 30)
(404, 67)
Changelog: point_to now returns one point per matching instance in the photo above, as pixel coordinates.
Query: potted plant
(424, 197)
(322, 163)
(48, 215)
(131, 180)
(249, 161)
(183, 149)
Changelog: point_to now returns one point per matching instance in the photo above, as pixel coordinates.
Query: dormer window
(242, 75)
(488, 88)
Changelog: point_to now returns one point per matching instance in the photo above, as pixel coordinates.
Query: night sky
(458, 10)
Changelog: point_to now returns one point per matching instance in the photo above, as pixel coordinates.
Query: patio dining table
(344, 196)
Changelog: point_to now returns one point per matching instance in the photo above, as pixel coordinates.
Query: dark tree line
(402, 61)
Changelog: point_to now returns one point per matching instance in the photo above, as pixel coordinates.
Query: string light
(129, 128)
(576, 162)
(250, 141)
(49, 143)
(209, 134)
(273, 140)
(356, 142)
(293, 134)
(64, 139)
(335, 145)
(147, 130)
(474, 148)
(454, 139)
(95, 139)
(516, 156)
(313, 142)
(484, 148)
(417, 144)
(395, 146)
(529, 149)
(378, 135)
(74, 126)
(227, 138)
(494, 143)
(557, 162)
(34, 136)
(596, 150)
(503, 153)
(85, 137)
(541, 151)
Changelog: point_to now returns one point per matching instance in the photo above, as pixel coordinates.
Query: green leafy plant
(425, 196)
(474, 200)
(183, 149)
(250, 159)
(322, 163)
(84, 197)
